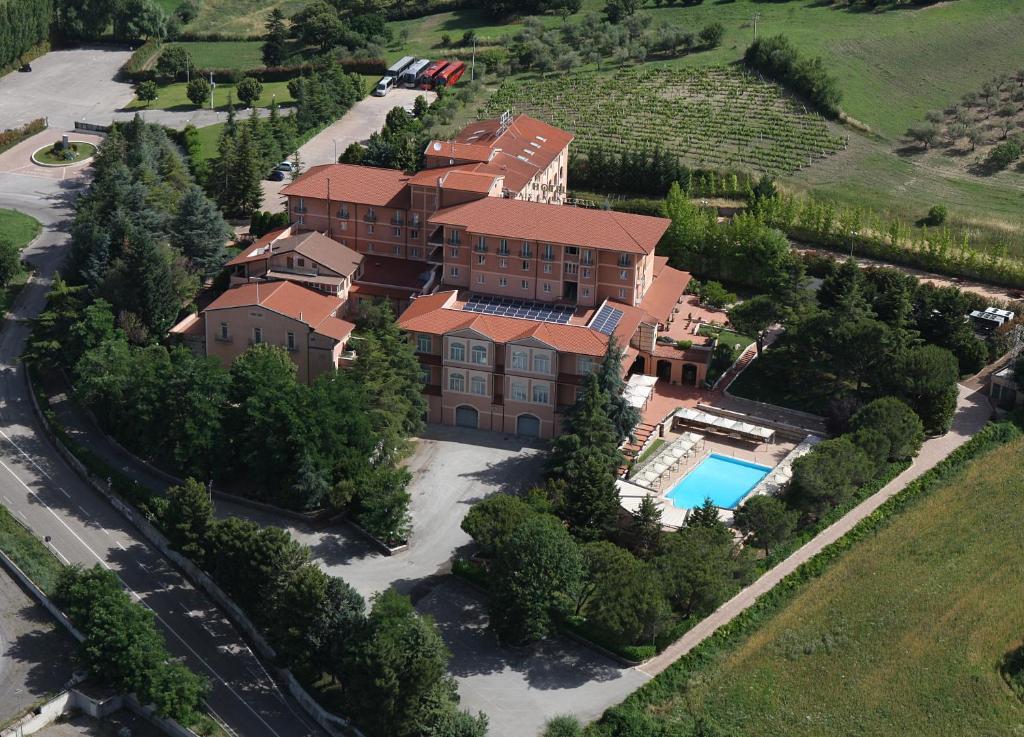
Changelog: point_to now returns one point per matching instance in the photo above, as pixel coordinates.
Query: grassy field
(28, 552)
(903, 635)
(18, 227)
(224, 54)
(174, 97)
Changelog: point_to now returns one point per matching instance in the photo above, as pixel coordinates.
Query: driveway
(65, 86)
(452, 468)
(36, 654)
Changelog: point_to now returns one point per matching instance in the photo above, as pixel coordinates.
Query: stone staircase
(641, 433)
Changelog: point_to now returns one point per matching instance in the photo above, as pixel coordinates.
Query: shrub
(936, 215)
(14, 136)
(1002, 155)
(711, 35)
(684, 345)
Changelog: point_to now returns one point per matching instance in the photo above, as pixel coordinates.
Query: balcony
(370, 217)
(342, 214)
(480, 249)
(454, 240)
(347, 359)
(503, 251)
(436, 238)
(525, 253)
(397, 220)
(436, 255)
(301, 209)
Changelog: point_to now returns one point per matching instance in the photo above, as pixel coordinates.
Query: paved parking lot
(65, 86)
(35, 653)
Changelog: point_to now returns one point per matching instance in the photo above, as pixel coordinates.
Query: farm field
(713, 117)
(174, 97)
(902, 635)
(224, 54)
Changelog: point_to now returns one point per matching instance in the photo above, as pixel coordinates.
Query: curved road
(44, 493)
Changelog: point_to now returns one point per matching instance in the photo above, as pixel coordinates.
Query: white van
(384, 86)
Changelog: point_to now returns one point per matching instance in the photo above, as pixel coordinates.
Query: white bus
(399, 66)
(412, 72)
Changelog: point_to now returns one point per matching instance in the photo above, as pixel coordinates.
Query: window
(424, 343)
(481, 279)
(502, 263)
(586, 291)
(548, 253)
(413, 233)
(524, 284)
(370, 215)
(584, 365)
(301, 206)
(478, 385)
(547, 268)
(397, 232)
(453, 271)
(588, 257)
(457, 382)
(343, 225)
(481, 244)
(481, 259)
(302, 262)
(586, 273)
(541, 363)
(571, 250)
(502, 281)
(291, 341)
(624, 259)
(503, 246)
(479, 354)
(398, 250)
(453, 252)
(623, 274)
(526, 265)
(369, 228)
(540, 394)
(457, 351)
(343, 212)
(547, 288)
(622, 293)
(224, 331)
(572, 269)
(525, 251)
(257, 335)
(518, 393)
(414, 253)
(454, 238)
(519, 360)
(369, 248)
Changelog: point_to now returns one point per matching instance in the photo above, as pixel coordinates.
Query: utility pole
(213, 89)
(472, 66)
(756, 16)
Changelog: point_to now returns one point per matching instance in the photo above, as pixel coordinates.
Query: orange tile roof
(663, 294)
(259, 250)
(455, 150)
(465, 181)
(364, 185)
(287, 298)
(537, 221)
(438, 314)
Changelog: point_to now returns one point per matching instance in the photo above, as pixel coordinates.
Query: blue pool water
(726, 480)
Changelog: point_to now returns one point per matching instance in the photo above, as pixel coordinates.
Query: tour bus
(426, 80)
(450, 74)
(396, 69)
(413, 72)
(383, 86)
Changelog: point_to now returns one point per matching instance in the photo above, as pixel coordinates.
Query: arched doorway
(689, 374)
(639, 365)
(466, 416)
(528, 425)
(664, 370)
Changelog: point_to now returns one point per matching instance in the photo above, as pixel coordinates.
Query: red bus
(426, 80)
(450, 74)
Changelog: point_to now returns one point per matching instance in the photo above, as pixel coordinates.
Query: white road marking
(83, 511)
(64, 491)
(8, 500)
(104, 530)
(121, 546)
(23, 515)
(60, 555)
(138, 598)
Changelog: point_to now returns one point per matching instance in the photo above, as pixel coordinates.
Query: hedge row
(141, 57)
(135, 72)
(14, 136)
(676, 677)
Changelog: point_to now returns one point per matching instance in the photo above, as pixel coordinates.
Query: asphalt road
(38, 487)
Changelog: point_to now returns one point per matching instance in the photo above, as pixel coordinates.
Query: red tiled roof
(258, 251)
(287, 298)
(364, 185)
(435, 314)
(466, 181)
(536, 221)
(455, 150)
(663, 294)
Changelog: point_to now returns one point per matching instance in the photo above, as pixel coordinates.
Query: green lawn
(18, 227)
(174, 97)
(28, 552)
(224, 54)
(903, 635)
(208, 137)
(85, 150)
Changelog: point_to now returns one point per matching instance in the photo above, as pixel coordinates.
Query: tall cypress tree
(200, 232)
(149, 284)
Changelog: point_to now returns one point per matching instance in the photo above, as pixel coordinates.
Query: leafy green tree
(274, 39)
(249, 90)
(843, 292)
(139, 19)
(395, 668)
(711, 35)
(192, 413)
(10, 261)
(699, 568)
(200, 232)
(533, 573)
(420, 106)
(149, 285)
(564, 725)
(623, 415)
(828, 476)
(382, 504)
(591, 499)
(198, 91)
(645, 530)
(354, 153)
(766, 520)
(147, 91)
(896, 421)
(926, 377)
(859, 349)
(84, 19)
(490, 521)
(188, 518)
(706, 515)
(754, 316)
(173, 62)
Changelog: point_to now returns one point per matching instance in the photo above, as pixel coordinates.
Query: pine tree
(645, 530)
(275, 38)
(149, 284)
(623, 415)
(200, 232)
(248, 173)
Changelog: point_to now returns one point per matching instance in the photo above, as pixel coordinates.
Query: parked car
(276, 176)
(383, 86)
(285, 166)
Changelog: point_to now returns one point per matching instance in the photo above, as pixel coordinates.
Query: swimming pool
(726, 480)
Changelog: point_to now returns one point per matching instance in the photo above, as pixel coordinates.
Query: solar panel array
(507, 307)
(606, 319)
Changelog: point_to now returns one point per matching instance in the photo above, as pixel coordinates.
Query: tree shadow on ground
(514, 474)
